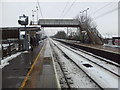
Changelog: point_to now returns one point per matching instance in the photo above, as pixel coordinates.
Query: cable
(102, 8)
(40, 8)
(106, 13)
(64, 8)
(69, 8)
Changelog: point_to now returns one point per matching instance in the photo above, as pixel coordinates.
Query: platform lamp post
(23, 20)
(86, 13)
(83, 14)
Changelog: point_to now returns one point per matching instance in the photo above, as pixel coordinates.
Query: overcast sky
(106, 18)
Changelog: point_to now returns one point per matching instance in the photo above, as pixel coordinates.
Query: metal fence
(9, 47)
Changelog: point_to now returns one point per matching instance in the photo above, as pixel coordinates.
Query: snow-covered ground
(79, 78)
(5, 61)
(5, 45)
(104, 78)
(106, 65)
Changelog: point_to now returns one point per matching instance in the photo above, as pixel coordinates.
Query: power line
(40, 8)
(102, 8)
(65, 8)
(106, 13)
(69, 8)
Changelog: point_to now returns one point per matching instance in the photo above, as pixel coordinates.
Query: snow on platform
(6, 60)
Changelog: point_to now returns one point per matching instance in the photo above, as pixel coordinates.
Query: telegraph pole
(82, 21)
(86, 13)
(83, 14)
(37, 13)
(33, 15)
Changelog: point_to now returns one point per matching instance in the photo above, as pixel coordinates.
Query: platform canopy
(14, 32)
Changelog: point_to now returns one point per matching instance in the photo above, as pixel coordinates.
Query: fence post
(2, 49)
(19, 45)
(9, 49)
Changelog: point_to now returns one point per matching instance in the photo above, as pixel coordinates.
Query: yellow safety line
(33, 65)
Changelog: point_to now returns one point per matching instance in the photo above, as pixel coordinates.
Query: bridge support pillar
(80, 34)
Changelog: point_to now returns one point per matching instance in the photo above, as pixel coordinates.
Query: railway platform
(42, 73)
(104, 48)
(101, 47)
(14, 74)
(106, 52)
(47, 77)
(32, 69)
(55, 65)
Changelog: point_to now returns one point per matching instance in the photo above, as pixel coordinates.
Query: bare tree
(89, 26)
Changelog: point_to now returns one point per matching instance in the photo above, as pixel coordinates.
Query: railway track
(63, 78)
(65, 75)
(115, 73)
(87, 72)
(96, 57)
(109, 55)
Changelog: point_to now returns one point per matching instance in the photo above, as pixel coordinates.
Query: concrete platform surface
(47, 78)
(14, 73)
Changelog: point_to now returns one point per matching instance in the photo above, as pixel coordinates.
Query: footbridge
(93, 34)
(58, 22)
